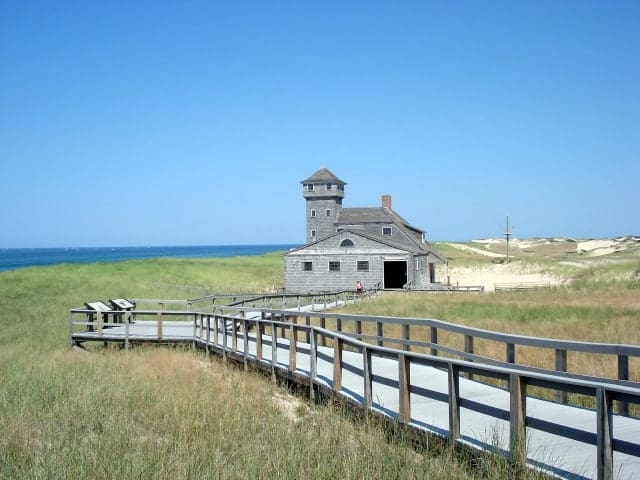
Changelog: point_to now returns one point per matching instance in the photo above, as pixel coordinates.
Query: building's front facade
(373, 245)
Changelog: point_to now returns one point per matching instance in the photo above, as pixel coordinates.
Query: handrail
(518, 379)
(551, 343)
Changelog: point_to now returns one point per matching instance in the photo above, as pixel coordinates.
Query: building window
(313, 233)
(387, 231)
(309, 186)
(328, 212)
(363, 266)
(334, 266)
(346, 243)
(313, 213)
(307, 266)
(329, 186)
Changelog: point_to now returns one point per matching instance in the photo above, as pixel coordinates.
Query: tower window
(334, 266)
(313, 233)
(307, 266)
(387, 231)
(313, 213)
(309, 186)
(329, 186)
(328, 212)
(346, 243)
(363, 266)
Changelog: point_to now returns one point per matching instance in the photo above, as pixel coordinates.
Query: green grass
(160, 412)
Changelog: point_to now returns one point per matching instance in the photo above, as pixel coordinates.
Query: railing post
(406, 336)
(605, 434)
(379, 333)
(216, 330)
(454, 402)
(307, 322)
(126, 333)
(259, 332)
(367, 377)
(337, 364)
(70, 329)
(293, 347)
(338, 324)
(207, 347)
(234, 334)
(404, 388)
(245, 343)
(100, 319)
(159, 321)
(323, 324)
(561, 366)
(468, 345)
(511, 353)
(313, 362)
(623, 374)
(224, 338)
(274, 351)
(434, 340)
(358, 329)
(517, 423)
(194, 334)
(468, 348)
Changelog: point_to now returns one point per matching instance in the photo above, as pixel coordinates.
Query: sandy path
(489, 275)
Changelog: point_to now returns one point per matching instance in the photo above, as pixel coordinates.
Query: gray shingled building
(374, 245)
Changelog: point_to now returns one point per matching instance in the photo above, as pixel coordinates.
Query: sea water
(12, 258)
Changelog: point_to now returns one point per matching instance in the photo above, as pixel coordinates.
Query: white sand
(590, 245)
(467, 248)
(489, 275)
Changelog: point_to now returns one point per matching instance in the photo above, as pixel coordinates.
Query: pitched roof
(355, 216)
(352, 216)
(424, 249)
(324, 175)
(361, 233)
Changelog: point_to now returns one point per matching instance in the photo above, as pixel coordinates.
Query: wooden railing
(411, 328)
(222, 331)
(518, 382)
(508, 287)
(258, 300)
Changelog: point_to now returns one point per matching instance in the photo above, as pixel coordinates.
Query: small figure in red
(358, 287)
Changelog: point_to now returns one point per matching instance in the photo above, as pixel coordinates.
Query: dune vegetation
(166, 412)
(161, 412)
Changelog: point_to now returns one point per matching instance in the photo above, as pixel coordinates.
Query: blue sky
(179, 123)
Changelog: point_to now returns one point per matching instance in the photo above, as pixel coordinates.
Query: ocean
(12, 258)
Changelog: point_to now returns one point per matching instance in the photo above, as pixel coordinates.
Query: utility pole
(507, 233)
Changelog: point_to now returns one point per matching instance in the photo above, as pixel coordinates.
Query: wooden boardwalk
(428, 393)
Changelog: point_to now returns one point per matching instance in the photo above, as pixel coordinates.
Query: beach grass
(172, 412)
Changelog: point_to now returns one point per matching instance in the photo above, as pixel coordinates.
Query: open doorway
(395, 274)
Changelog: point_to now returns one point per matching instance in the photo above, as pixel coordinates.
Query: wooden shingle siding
(322, 279)
(371, 236)
(397, 235)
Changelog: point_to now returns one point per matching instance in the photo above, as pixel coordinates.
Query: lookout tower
(323, 192)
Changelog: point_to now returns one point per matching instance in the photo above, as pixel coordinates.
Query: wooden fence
(222, 330)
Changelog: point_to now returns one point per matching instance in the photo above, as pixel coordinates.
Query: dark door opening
(395, 274)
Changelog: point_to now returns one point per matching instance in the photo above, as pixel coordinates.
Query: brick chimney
(386, 201)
